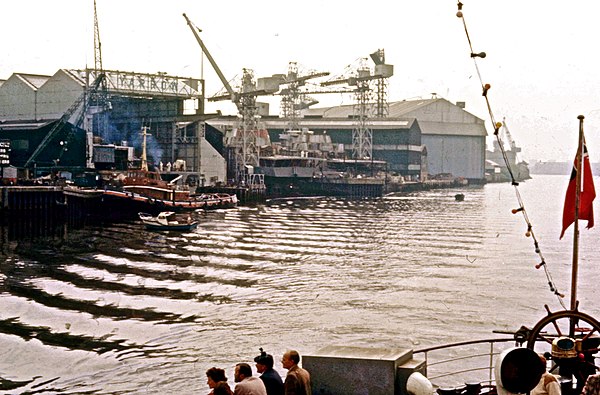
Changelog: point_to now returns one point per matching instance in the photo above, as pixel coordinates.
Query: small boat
(167, 220)
(459, 197)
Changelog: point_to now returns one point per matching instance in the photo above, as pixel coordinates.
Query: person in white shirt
(246, 383)
(548, 384)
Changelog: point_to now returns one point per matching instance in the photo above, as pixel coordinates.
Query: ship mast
(578, 171)
(144, 156)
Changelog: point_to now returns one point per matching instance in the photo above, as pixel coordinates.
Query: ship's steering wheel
(571, 339)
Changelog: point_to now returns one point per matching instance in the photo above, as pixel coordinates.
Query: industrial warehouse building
(30, 106)
(455, 140)
(418, 137)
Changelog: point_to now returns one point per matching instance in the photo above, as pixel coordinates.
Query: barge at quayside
(148, 192)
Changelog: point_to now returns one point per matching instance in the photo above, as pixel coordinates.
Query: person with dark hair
(269, 376)
(297, 380)
(217, 382)
(246, 383)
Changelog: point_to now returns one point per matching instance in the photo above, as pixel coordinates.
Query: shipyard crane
(293, 98)
(97, 44)
(383, 71)
(506, 133)
(92, 105)
(99, 103)
(360, 77)
(81, 104)
(362, 135)
(247, 153)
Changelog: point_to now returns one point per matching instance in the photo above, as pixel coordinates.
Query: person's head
(290, 359)
(263, 362)
(242, 371)
(543, 362)
(214, 375)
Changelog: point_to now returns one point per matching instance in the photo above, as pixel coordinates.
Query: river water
(117, 309)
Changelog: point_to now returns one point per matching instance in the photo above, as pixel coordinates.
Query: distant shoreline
(557, 168)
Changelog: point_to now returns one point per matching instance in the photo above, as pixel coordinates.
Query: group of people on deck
(297, 380)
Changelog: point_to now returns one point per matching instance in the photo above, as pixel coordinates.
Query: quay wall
(245, 195)
(31, 199)
(47, 205)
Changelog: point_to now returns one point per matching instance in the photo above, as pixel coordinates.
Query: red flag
(586, 197)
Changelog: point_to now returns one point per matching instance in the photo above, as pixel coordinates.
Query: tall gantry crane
(96, 117)
(247, 153)
(360, 77)
(88, 110)
(293, 99)
(97, 43)
(100, 97)
(383, 71)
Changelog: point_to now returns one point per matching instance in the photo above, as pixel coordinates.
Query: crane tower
(244, 98)
(362, 134)
(294, 99)
(383, 71)
(361, 78)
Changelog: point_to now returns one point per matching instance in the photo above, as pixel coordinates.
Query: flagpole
(578, 170)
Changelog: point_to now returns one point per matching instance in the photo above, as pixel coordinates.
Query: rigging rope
(497, 126)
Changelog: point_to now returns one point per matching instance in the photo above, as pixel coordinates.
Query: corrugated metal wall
(461, 156)
(17, 100)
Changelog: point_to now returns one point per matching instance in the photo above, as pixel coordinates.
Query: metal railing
(466, 357)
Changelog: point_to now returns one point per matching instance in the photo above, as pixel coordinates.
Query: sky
(542, 59)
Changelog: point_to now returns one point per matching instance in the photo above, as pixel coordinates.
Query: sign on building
(4, 153)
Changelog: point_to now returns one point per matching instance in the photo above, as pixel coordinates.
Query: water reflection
(118, 309)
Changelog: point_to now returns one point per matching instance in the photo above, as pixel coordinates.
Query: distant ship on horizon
(559, 168)
(496, 166)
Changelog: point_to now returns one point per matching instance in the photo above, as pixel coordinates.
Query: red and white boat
(146, 188)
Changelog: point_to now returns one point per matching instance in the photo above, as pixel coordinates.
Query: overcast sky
(543, 57)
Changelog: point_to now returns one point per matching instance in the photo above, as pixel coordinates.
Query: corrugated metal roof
(75, 76)
(329, 123)
(401, 108)
(343, 123)
(19, 125)
(406, 109)
(452, 129)
(33, 80)
(396, 109)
